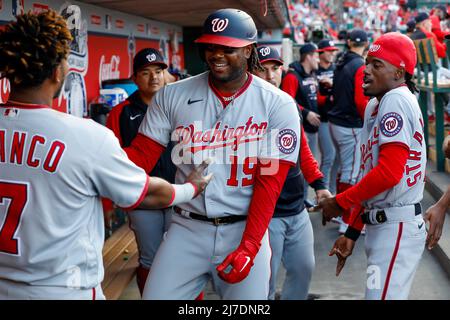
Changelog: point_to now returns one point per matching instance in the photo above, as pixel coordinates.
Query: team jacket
(303, 88)
(124, 120)
(324, 96)
(349, 104)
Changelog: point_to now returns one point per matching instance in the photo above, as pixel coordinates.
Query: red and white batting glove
(240, 260)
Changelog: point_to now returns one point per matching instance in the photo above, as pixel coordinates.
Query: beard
(235, 73)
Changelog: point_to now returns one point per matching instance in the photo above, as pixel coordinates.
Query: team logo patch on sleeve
(391, 124)
(287, 141)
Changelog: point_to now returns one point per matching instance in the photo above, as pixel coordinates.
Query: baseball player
(125, 119)
(347, 113)
(252, 131)
(301, 84)
(393, 160)
(150, 74)
(290, 230)
(325, 72)
(53, 169)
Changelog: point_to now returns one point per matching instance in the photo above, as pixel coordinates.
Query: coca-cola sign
(109, 70)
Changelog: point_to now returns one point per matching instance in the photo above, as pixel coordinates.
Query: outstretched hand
(343, 248)
(435, 215)
(198, 180)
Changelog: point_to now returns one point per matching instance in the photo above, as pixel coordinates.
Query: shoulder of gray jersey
(86, 132)
(401, 95)
(273, 92)
(187, 83)
(182, 89)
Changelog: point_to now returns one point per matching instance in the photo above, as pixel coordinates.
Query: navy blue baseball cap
(411, 24)
(422, 16)
(266, 53)
(308, 48)
(148, 56)
(326, 45)
(358, 36)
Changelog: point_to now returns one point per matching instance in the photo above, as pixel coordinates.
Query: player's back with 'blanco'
(53, 167)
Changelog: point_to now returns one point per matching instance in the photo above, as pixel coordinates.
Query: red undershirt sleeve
(112, 121)
(290, 85)
(266, 190)
(360, 99)
(308, 164)
(144, 152)
(389, 171)
(321, 100)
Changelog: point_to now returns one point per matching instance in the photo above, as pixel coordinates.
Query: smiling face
(312, 60)
(327, 56)
(380, 77)
(227, 63)
(149, 79)
(272, 72)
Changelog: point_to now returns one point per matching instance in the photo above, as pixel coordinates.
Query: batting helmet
(229, 27)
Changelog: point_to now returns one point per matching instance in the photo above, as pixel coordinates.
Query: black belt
(380, 216)
(214, 221)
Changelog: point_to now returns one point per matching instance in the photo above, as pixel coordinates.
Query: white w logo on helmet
(218, 25)
(264, 51)
(151, 57)
(374, 47)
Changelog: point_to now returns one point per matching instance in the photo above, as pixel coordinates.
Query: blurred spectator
(347, 114)
(423, 31)
(410, 27)
(439, 14)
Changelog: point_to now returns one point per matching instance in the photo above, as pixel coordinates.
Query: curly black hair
(253, 62)
(410, 83)
(32, 47)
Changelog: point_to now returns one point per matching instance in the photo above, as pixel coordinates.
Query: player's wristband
(352, 233)
(182, 193)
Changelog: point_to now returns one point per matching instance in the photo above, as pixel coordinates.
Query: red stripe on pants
(391, 265)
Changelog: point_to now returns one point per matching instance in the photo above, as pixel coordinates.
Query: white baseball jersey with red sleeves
(53, 168)
(396, 119)
(261, 122)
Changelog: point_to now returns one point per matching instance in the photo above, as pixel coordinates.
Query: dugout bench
(428, 83)
(120, 259)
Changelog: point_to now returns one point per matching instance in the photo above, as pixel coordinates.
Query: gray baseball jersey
(53, 168)
(261, 123)
(396, 119)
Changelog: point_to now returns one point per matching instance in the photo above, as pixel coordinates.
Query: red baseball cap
(397, 49)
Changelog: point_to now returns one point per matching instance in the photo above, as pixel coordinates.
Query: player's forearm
(444, 201)
(266, 190)
(308, 164)
(388, 172)
(162, 194)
